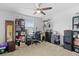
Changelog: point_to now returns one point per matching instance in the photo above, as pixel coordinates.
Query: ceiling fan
(41, 10)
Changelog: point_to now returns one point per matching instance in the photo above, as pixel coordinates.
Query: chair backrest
(37, 35)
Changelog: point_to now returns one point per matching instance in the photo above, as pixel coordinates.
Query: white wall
(6, 15)
(38, 24)
(62, 20)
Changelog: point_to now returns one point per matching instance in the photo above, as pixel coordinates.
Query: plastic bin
(3, 47)
(2, 50)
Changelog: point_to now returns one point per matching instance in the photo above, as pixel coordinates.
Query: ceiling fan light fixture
(38, 11)
(41, 10)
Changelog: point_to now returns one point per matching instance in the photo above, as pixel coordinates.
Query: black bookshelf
(19, 30)
(75, 29)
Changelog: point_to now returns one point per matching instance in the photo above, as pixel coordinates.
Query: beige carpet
(41, 49)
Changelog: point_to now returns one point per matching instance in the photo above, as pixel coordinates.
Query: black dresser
(68, 40)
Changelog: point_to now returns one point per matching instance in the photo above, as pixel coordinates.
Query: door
(9, 35)
(9, 31)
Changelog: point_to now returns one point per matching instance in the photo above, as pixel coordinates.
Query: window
(29, 26)
(29, 23)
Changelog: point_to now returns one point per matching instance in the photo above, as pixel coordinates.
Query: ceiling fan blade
(46, 8)
(43, 13)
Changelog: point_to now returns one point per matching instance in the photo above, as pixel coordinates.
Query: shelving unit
(20, 30)
(75, 28)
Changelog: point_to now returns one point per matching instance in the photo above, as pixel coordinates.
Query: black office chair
(28, 39)
(36, 37)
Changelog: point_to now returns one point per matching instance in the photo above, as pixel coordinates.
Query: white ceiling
(28, 8)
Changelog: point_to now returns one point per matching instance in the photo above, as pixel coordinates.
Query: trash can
(18, 42)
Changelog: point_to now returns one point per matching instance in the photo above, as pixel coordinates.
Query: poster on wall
(9, 32)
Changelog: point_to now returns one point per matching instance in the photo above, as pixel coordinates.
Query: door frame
(6, 29)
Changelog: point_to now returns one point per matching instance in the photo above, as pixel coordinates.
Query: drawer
(68, 32)
(68, 39)
(68, 46)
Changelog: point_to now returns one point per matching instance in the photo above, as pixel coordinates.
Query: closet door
(9, 35)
